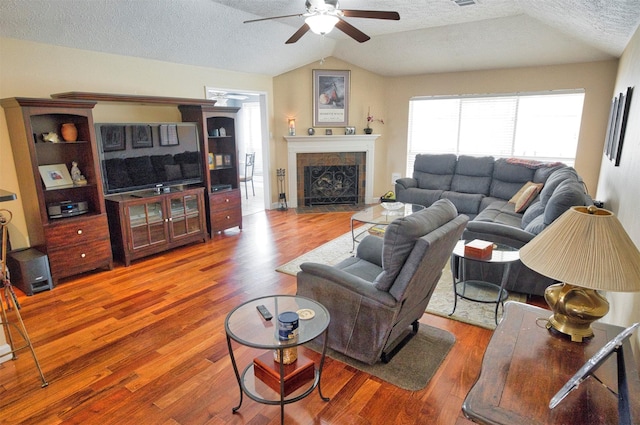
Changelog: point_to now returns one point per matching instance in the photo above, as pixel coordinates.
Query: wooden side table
(525, 365)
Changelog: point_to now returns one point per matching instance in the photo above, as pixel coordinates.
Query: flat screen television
(139, 156)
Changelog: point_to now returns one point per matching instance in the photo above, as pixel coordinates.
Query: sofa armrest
(407, 183)
(498, 233)
(331, 276)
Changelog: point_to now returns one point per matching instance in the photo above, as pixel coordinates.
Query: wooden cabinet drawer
(223, 200)
(76, 231)
(73, 259)
(224, 219)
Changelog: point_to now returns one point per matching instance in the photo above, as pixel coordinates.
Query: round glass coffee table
(478, 290)
(380, 216)
(245, 325)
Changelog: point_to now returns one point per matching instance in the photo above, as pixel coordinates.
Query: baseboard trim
(5, 353)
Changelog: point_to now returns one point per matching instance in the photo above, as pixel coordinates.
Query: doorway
(252, 137)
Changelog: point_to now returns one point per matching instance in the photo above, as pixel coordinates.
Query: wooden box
(296, 374)
(478, 248)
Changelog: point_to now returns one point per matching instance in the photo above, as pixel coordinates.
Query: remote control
(264, 312)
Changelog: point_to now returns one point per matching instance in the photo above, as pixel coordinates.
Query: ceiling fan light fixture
(321, 24)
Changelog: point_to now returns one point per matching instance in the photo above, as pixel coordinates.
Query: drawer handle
(226, 200)
(79, 231)
(228, 218)
(83, 255)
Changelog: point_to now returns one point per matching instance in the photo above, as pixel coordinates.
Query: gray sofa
(375, 297)
(481, 188)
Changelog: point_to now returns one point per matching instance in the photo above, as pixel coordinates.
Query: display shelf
(63, 239)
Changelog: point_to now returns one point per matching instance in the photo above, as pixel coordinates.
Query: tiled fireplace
(330, 157)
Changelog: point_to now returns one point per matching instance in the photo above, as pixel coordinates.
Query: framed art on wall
(617, 126)
(168, 135)
(331, 98)
(141, 136)
(112, 138)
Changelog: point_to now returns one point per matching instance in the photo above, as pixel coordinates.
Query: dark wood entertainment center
(77, 243)
(84, 242)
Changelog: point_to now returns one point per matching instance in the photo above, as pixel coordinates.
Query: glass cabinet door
(147, 224)
(185, 215)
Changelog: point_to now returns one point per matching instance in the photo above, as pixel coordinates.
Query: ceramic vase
(69, 132)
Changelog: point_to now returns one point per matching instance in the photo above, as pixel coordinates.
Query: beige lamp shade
(586, 247)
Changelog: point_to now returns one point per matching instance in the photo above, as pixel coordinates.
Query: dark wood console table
(525, 365)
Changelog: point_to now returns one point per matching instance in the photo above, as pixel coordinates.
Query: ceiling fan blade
(298, 34)
(271, 17)
(373, 14)
(352, 31)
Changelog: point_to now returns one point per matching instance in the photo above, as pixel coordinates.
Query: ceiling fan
(323, 15)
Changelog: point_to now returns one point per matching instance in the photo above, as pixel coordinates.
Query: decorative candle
(292, 126)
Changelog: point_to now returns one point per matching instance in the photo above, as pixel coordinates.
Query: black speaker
(29, 270)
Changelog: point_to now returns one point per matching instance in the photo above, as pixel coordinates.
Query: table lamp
(586, 249)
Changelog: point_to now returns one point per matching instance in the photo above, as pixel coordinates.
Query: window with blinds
(542, 126)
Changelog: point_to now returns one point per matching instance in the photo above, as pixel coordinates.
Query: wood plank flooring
(145, 344)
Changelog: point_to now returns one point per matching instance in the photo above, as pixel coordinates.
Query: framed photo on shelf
(219, 161)
(169, 135)
(55, 175)
(349, 131)
(141, 136)
(212, 165)
(331, 98)
(112, 138)
(227, 160)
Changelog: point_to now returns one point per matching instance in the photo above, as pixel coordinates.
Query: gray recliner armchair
(376, 298)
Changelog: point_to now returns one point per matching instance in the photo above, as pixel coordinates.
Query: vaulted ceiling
(431, 35)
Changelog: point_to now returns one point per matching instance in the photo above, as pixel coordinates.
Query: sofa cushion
(190, 171)
(556, 178)
(542, 174)
(117, 173)
(534, 210)
(536, 225)
(473, 175)
(159, 162)
(172, 172)
(501, 212)
(508, 178)
(466, 203)
(568, 194)
(434, 171)
(401, 235)
(434, 181)
(140, 170)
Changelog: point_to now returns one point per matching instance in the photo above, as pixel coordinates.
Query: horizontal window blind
(542, 126)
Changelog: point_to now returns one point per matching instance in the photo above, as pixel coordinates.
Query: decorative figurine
(76, 175)
(51, 137)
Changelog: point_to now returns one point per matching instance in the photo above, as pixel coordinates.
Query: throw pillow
(526, 198)
(526, 186)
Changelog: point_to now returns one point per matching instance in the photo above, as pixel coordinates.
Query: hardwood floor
(145, 344)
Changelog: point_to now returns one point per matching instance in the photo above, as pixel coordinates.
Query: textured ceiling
(431, 36)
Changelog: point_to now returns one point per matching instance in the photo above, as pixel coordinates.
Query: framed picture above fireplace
(331, 98)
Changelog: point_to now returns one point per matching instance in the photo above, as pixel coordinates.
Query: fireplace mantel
(324, 144)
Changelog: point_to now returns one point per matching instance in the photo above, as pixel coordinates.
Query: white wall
(618, 187)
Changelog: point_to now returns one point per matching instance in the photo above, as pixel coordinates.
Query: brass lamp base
(574, 309)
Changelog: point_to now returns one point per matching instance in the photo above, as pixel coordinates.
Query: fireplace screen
(330, 184)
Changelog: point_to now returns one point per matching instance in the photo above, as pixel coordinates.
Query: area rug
(441, 302)
(414, 365)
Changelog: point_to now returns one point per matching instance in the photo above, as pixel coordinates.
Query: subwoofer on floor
(29, 271)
